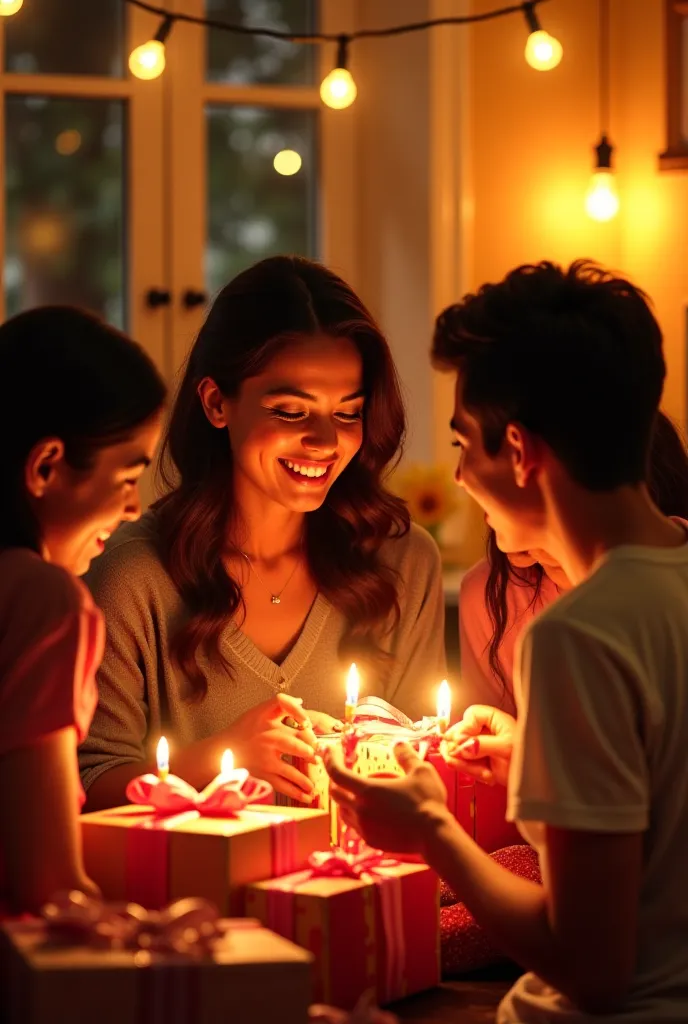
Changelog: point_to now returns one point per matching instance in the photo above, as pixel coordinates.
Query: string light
(287, 162)
(338, 89)
(602, 200)
(8, 7)
(148, 60)
(543, 52)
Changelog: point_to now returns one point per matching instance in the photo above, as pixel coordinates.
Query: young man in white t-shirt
(559, 374)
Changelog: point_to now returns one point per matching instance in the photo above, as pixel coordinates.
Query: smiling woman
(80, 410)
(278, 555)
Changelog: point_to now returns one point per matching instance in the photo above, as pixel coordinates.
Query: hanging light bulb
(602, 200)
(8, 7)
(543, 52)
(338, 89)
(148, 60)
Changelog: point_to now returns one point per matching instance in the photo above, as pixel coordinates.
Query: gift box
(376, 758)
(377, 931)
(46, 982)
(460, 793)
(134, 854)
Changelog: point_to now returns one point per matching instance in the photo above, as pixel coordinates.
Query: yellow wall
(530, 141)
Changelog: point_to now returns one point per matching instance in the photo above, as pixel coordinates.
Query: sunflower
(429, 492)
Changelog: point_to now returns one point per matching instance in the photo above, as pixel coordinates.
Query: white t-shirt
(602, 691)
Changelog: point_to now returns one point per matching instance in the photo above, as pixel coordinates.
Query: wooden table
(472, 1000)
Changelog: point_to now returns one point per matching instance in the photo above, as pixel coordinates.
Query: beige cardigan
(142, 692)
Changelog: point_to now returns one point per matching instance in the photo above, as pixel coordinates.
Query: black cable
(324, 37)
(604, 61)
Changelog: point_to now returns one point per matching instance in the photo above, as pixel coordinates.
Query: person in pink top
(503, 593)
(80, 417)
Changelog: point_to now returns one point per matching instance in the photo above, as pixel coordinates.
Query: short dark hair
(64, 373)
(574, 355)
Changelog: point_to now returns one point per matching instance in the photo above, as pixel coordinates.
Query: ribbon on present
(221, 798)
(147, 850)
(168, 947)
(190, 927)
(367, 866)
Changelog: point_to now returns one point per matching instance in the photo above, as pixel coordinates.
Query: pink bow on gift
(220, 798)
(188, 926)
(337, 864)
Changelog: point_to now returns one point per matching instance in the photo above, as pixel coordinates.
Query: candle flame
(162, 755)
(227, 763)
(444, 700)
(352, 686)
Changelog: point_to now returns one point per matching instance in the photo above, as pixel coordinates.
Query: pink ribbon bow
(188, 926)
(221, 798)
(337, 864)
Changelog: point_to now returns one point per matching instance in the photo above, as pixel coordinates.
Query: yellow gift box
(240, 981)
(379, 931)
(133, 854)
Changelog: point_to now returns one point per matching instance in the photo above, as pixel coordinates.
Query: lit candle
(228, 773)
(443, 706)
(162, 756)
(352, 685)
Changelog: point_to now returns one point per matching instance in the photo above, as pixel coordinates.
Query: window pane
(251, 59)
(64, 181)
(253, 211)
(66, 37)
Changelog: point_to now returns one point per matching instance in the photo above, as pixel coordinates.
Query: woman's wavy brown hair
(667, 482)
(252, 318)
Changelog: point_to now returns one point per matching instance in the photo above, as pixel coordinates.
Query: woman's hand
(259, 738)
(324, 724)
(481, 744)
(397, 815)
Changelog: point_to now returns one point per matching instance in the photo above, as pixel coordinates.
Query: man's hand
(481, 744)
(396, 815)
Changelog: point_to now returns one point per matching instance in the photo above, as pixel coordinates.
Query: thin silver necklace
(275, 598)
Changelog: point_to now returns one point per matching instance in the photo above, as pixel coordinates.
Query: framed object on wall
(675, 156)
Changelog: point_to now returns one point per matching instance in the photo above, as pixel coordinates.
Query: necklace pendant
(275, 599)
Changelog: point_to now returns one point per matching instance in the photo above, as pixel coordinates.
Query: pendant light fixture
(602, 200)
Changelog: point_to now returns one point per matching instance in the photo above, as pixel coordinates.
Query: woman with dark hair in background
(80, 412)
(278, 556)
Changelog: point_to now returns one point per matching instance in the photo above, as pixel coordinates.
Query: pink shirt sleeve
(51, 643)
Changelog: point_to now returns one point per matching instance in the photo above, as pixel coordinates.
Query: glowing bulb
(162, 756)
(287, 162)
(148, 60)
(543, 51)
(443, 705)
(338, 89)
(227, 763)
(8, 7)
(602, 201)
